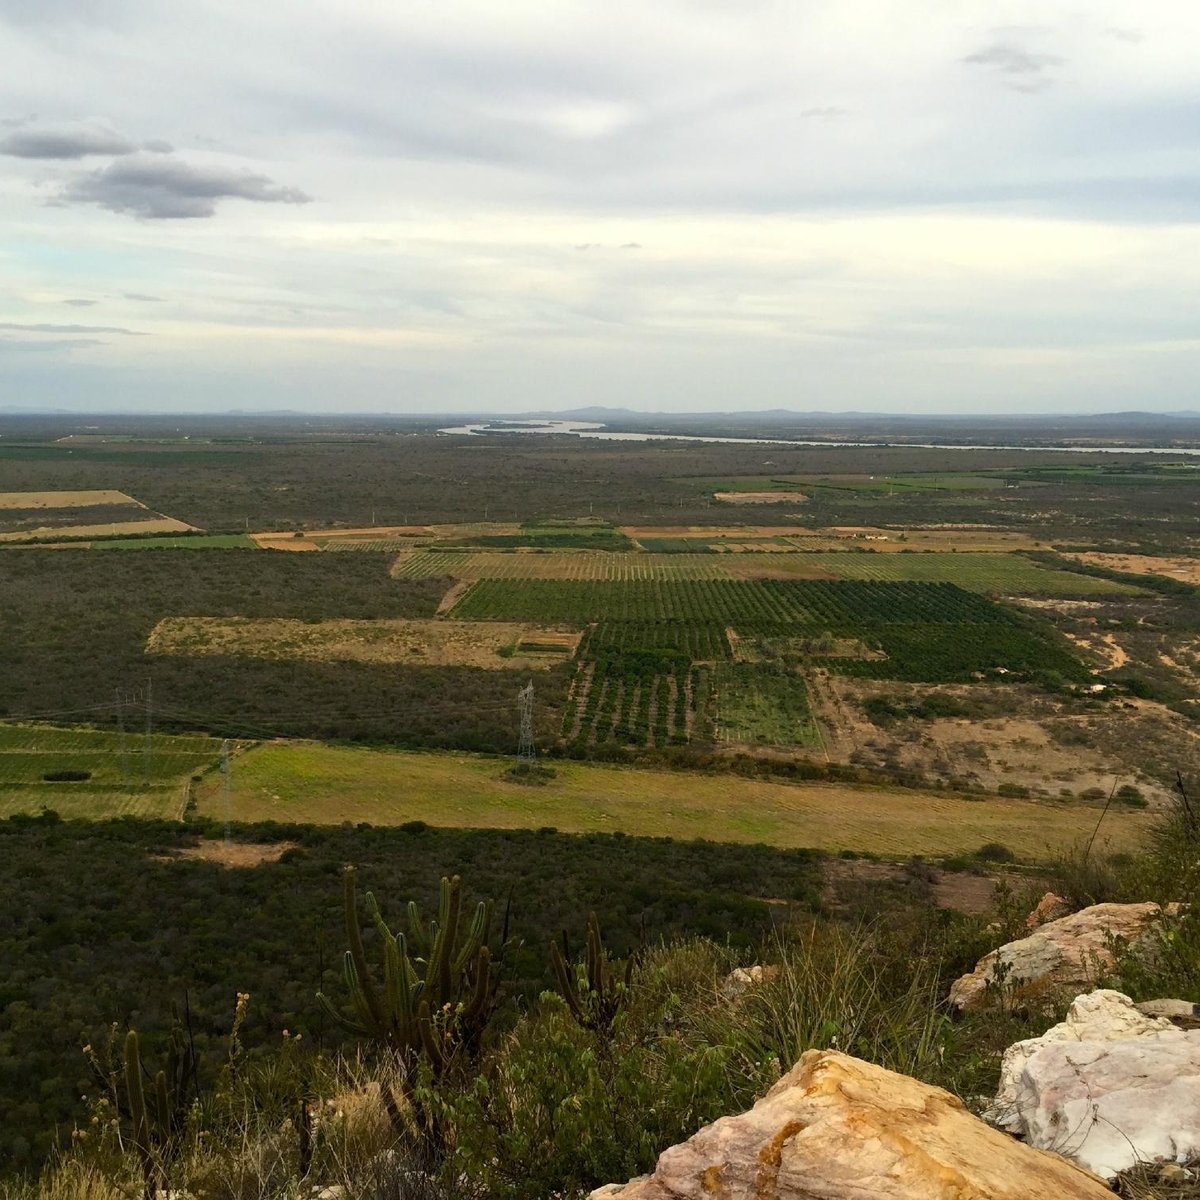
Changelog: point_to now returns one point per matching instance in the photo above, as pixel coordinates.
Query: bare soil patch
(119, 529)
(232, 854)
(65, 499)
(453, 596)
(760, 497)
(1187, 570)
(491, 645)
(282, 541)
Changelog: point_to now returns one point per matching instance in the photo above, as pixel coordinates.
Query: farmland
(991, 573)
(489, 645)
(305, 782)
(82, 772)
(43, 516)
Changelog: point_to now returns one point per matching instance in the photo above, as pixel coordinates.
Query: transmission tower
(225, 804)
(526, 751)
(149, 744)
(122, 700)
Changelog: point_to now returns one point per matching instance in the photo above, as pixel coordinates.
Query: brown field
(118, 528)
(231, 854)
(282, 540)
(64, 499)
(960, 540)
(717, 533)
(1186, 570)
(1035, 745)
(491, 645)
(760, 497)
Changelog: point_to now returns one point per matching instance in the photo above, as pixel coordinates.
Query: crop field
(199, 541)
(991, 573)
(96, 773)
(42, 516)
(64, 499)
(731, 601)
(322, 784)
(490, 645)
(760, 706)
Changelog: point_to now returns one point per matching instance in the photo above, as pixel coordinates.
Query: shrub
(995, 852)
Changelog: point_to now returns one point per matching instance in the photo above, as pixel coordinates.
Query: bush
(995, 852)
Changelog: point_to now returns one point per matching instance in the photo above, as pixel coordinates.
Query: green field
(760, 705)
(1002, 574)
(125, 775)
(311, 782)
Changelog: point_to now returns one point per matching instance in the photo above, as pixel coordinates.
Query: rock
(1182, 1013)
(1066, 954)
(837, 1128)
(1108, 1087)
(1049, 908)
(741, 979)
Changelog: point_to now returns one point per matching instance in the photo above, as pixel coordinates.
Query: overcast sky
(954, 205)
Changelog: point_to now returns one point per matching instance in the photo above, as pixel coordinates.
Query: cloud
(45, 327)
(79, 303)
(143, 297)
(19, 345)
(63, 142)
(161, 187)
(158, 146)
(1022, 69)
(828, 112)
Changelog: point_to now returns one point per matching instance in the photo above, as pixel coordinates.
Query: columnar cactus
(157, 1117)
(438, 989)
(595, 1000)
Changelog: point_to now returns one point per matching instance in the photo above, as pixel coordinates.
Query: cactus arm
(429, 1040)
(416, 929)
(566, 982)
(133, 1086)
(476, 936)
(357, 955)
(162, 1103)
(354, 1027)
(357, 999)
(479, 995)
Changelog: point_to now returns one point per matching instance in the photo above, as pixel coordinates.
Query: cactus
(439, 990)
(596, 1004)
(157, 1116)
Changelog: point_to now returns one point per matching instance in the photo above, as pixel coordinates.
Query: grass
(323, 784)
(123, 778)
(990, 573)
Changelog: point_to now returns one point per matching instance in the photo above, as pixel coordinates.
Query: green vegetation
(763, 705)
(197, 541)
(106, 922)
(83, 772)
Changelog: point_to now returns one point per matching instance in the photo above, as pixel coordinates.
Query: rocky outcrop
(1108, 1087)
(1049, 908)
(1182, 1013)
(741, 979)
(837, 1128)
(1066, 955)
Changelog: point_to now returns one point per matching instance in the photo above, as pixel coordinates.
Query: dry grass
(65, 499)
(232, 854)
(311, 782)
(492, 645)
(1187, 570)
(118, 528)
(760, 497)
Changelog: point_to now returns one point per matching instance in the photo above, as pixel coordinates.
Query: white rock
(1108, 1087)
(1067, 954)
(837, 1128)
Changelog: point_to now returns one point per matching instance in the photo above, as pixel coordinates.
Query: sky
(383, 205)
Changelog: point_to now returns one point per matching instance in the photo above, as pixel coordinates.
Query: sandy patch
(1186, 570)
(282, 540)
(760, 497)
(112, 529)
(65, 499)
(453, 596)
(231, 854)
(1105, 646)
(491, 645)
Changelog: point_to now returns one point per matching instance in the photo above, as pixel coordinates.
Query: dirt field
(492, 645)
(119, 529)
(64, 499)
(760, 497)
(306, 781)
(232, 854)
(282, 541)
(1034, 746)
(1187, 570)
